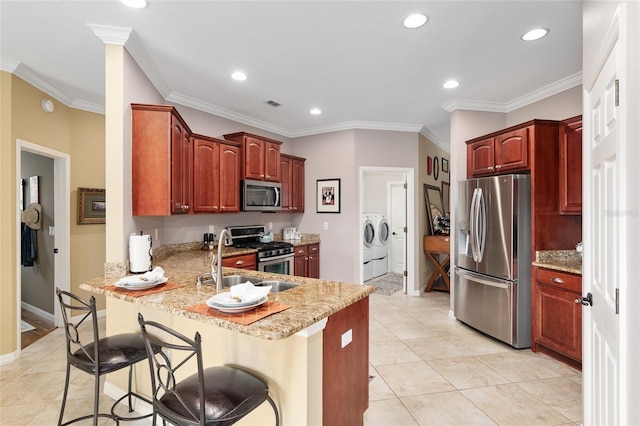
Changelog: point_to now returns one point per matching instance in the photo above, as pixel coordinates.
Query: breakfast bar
(313, 354)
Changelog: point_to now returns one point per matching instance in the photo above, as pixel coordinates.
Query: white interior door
(604, 257)
(398, 223)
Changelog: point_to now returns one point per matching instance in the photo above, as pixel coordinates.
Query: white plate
(225, 300)
(146, 286)
(237, 309)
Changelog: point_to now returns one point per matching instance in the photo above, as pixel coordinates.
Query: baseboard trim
(117, 392)
(38, 312)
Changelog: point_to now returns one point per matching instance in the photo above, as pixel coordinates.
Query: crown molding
(146, 64)
(535, 96)
(435, 140)
(111, 35)
(9, 65)
(194, 103)
(87, 106)
(357, 125)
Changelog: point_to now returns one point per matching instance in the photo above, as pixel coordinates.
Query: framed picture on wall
(445, 165)
(92, 206)
(328, 195)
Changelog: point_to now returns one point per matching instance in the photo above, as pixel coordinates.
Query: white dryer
(381, 244)
(368, 237)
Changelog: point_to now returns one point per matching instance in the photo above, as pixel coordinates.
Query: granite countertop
(310, 302)
(559, 260)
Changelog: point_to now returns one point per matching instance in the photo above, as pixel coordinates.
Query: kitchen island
(313, 355)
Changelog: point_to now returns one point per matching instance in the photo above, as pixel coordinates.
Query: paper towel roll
(140, 257)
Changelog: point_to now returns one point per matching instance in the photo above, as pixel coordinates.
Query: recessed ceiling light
(451, 84)
(535, 34)
(315, 111)
(416, 20)
(138, 4)
(239, 75)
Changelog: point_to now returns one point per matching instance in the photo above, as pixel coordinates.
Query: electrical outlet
(270, 226)
(212, 229)
(325, 225)
(155, 231)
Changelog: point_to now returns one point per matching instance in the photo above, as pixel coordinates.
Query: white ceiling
(352, 59)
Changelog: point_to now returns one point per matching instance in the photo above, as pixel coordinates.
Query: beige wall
(76, 133)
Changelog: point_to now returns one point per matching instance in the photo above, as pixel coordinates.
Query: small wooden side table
(435, 245)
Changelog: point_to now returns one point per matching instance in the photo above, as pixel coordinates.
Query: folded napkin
(148, 277)
(246, 292)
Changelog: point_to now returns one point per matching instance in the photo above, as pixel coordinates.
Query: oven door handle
(274, 258)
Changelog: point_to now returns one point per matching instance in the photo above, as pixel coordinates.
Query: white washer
(380, 244)
(368, 237)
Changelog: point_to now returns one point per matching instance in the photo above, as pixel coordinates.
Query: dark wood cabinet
(306, 261)
(505, 152)
(261, 156)
(216, 175)
(242, 261)
(345, 365)
(556, 324)
(571, 166)
(292, 173)
(161, 156)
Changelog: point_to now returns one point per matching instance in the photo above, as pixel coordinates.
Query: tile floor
(427, 368)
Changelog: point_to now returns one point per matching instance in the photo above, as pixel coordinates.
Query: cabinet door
(206, 168)
(229, 183)
(512, 151)
(571, 167)
(272, 162)
(300, 261)
(313, 261)
(557, 319)
(480, 159)
(180, 168)
(286, 174)
(297, 186)
(253, 158)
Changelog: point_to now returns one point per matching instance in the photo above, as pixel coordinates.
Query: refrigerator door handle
(482, 224)
(473, 225)
(481, 279)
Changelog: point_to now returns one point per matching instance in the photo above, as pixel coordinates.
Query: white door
(605, 181)
(398, 223)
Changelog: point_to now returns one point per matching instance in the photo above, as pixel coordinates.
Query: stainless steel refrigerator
(492, 289)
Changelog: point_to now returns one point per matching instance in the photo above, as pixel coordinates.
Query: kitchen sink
(231, 280)
(276, 286)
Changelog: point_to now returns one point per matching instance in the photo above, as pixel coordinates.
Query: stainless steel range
(273, 256)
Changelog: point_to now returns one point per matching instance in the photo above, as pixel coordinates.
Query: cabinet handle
(498, 166)
(490, 167)
(239, 262)
(557, 280)
(221, 207)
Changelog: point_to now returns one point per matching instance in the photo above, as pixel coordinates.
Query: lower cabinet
(306, 261)
(243, 261)
(556, 317)
(345, 365)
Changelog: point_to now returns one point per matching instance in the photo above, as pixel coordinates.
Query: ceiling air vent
(272, 103)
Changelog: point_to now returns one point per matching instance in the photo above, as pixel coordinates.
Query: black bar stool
(100, 356)
(213, 396)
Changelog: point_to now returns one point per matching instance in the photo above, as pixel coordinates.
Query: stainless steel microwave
(259, 196)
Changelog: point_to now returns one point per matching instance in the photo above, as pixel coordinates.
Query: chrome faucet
(216, 260)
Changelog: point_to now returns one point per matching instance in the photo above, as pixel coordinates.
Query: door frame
(412, 286)
(61, 219)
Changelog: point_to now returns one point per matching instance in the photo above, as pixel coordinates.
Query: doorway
(56, 229)
(377, 188)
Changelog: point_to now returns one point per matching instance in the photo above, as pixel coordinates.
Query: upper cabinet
(161, 156)
(292, 171)
(501, 153)
(571, 166)
(261, 156)
(216, 175)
